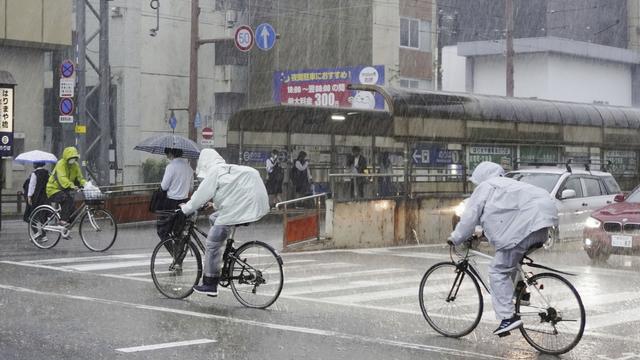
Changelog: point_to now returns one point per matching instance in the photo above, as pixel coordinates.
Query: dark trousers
(65, 199)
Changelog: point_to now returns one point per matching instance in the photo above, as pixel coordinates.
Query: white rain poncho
(508, 210)
(237, 191)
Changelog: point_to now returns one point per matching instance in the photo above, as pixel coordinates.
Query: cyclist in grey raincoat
(514, 216)
(239, 196)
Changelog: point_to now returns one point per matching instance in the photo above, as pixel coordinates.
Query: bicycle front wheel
(554, 318)
(450, 299)
(98, 229)
(255, 274)
(176, 267)
(42, 218)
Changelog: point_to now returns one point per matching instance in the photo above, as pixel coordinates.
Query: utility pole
(193, 68)
(94, 142)
(440, 44)
(509, 35)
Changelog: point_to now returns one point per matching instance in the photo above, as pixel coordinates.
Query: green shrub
(153, 170)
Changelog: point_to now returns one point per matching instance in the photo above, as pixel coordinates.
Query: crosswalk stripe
(375, 295)
(115, 265)
(86, 259)
(332, 276)
(311, 289)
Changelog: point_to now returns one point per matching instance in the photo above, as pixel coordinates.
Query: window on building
(410, 33)
(415, 84)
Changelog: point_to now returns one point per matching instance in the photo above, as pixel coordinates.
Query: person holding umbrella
(65, 178)
(34, 189)
(177, 182)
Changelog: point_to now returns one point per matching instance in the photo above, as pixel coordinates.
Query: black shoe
(508, 324)
(209, 286)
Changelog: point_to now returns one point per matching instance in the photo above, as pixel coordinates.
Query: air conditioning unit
(231, 17)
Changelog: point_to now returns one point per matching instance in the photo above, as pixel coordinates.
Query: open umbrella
(35, 156)
(157, 144)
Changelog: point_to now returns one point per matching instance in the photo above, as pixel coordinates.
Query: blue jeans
(214, 247)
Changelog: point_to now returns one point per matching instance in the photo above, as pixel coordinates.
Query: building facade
(29, 29)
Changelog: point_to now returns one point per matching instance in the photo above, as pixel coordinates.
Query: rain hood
(237, 191)
(485, 171)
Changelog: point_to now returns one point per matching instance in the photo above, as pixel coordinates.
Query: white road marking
(375, 295)
(165, 345)
(613, 318)
(332, 276)
(87, 258)
(115, 265)
(281, 327)
(314, 289)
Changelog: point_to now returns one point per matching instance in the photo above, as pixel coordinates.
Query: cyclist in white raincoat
(514, 216)
(239, 196)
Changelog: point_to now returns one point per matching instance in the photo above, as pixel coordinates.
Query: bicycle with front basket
(253, 270)
(97, 227)
(550, 307)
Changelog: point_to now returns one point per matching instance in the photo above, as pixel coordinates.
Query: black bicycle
(551, 309)
(253, 270)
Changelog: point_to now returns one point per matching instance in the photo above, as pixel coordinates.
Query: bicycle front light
(459, 209)
(592, 223)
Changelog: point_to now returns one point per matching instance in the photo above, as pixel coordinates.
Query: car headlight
(459, 209)
(592, 223)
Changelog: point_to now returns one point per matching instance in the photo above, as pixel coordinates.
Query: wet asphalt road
(343, 304)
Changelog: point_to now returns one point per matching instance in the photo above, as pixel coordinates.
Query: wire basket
(94, 196)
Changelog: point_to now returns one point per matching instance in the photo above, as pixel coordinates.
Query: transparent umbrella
(34, 156)
(157, 144)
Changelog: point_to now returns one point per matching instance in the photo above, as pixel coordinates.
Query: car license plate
(621, 241)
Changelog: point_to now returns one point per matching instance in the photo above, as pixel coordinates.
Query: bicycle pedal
(506, 333)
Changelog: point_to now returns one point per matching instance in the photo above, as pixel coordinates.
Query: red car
(614, 229)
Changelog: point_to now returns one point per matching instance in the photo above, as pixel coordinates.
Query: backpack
(25, 188)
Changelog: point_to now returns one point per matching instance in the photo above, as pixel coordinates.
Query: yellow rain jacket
(64, 175)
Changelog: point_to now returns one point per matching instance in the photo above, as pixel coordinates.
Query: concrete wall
(381, 223)
(555, 77)
(152, 73)
(584, 80)
(46, 23)
(27, 67)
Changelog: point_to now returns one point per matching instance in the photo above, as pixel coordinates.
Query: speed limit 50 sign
(244, 38)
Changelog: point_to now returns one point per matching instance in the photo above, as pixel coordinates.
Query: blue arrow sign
(265, 36)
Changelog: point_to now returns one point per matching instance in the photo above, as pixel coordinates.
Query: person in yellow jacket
(65, 178)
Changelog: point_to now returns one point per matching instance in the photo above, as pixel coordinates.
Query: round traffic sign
(66, 106)
(244, 38)
(266, 36)
(67, 68)
(207, 133)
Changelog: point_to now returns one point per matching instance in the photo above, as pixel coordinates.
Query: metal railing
(316, 199)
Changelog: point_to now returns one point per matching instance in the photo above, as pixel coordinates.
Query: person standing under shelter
(35, 189)
(301, 175)
(177, 181)
(356, 164)
(65, 178)
(275, 176)
(385, 187)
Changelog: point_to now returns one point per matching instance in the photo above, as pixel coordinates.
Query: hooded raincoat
(237, 191)
(508, 210)
(65, 176)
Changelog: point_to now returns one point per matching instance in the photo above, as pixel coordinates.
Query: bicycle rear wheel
(98, 229)
(450, 300)
(256, 275)
(554, 320)
(42, 217)
(175, 276)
